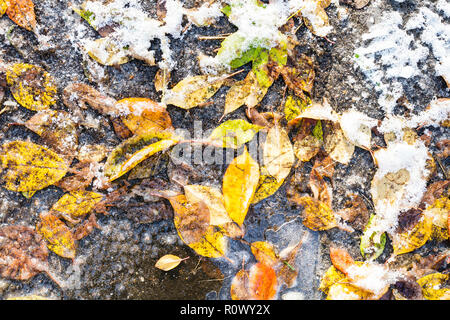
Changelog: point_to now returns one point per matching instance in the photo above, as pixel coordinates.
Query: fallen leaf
(299, 74)
(372, 241)
(239, 186)
(267, 186)
(264, 253)
(168, 262)
(347, 291)
(260, 283)
(234, 133)
(23, 252)
(59, 237)
(76, 205)
(316, 215)
(433, 286)
(341, 259)
(143, 115)
(336, 144)
(414, 238)
(31, 86)
(29, 167)
(106, 52)
(278, 153)
(21, 12)
(331, 276)
(193, 91)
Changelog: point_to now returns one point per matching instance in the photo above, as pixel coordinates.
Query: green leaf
(372, 241)
(317, 131)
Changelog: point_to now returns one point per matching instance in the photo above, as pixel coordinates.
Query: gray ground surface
(117, 262)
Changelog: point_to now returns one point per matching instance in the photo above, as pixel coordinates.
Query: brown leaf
(356, 213)
(86, 228)
(341, 259)
(23, 252)
(77, 95)
(299, 75)
(22, 13)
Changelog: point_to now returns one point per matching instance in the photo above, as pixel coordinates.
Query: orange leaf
(341, 259)
(263, 282)
(22, 13)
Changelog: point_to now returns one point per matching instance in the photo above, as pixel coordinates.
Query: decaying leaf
(264, 253)
(246, 92)
(336, 144)
(347, 291)
(168, 262)
(372, 240)
(316, 18)
(192, 223)
(136, 149)
(294, 106)
(239, 186)
(299, 75)
(414, 238)
(259, 283)
(234, 133)
(212, 198)
(31, 86)
(432, 286)
(286, 272)
(193, 91)
(29, 167)
(267, 186)
(23, 252)
(75, 205)
(106, 52)
(59, 237)
(278, 153)
(317, 215)
(331, 276)
(21, 12)
(143, 115)
(307, 147)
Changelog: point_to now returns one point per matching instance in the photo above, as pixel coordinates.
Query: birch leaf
(433, 286)
(60, 238)
(21, 12)
(168, 262)
(213, 199)
(234, 133)
(347, 291)
(259, 283)
(75, 205)
(264, 252)
(239, 186)
(143, 115)
(294, 106)
(307, 147)
(267, 186)
(30, 167)
(106, 52)
(299, 75)
(136, 149)
(336, 144)
(331, 276)
(317, 215)
(193, 91)
(31, 86)
(3, 7)
(192, 223)
(278, 153)
(414, 238)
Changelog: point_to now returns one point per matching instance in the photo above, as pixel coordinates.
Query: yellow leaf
(439, 213)
(433, 286)
(213, 199)
(294, 106)
(246, 92)
(264, 252)
(30, 167)
(315, 17)
(412, 239)
(21, 12)
(347, 291)
(106, 52)
(60, 238)
(267, 186)
(316, 215)
(278, 153)
(75, 205)
(144, 115)
(331, 276)
(30, 297)
(193, 91)
(239, 186)
(192, 223)
(234, 133)
(307, 147)
(136, 149)
(31, 86)
(168, 262)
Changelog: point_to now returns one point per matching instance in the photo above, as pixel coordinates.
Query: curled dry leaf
(143, 115)
(168, 262)
(59, 237)
(23, 252)
(86, 228)
(233, 133)
(29, 167)
(193, 91)
(287, 272)
(259, 283)
(278, 153)
(239, 186)
(21, 12)
(31, 86)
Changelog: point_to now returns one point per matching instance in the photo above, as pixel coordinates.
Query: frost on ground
(396, 47)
